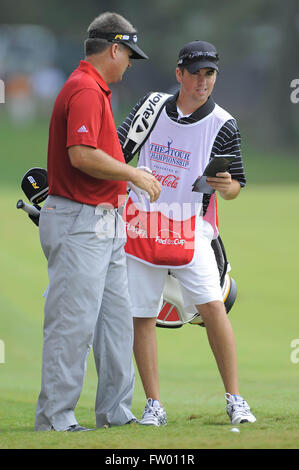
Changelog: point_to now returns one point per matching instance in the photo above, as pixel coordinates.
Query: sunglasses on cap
(128, 39)
(113, 37)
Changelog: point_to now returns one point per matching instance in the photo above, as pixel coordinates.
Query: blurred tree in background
(257, 42)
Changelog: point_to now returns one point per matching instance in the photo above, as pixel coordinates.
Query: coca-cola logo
(170, 181)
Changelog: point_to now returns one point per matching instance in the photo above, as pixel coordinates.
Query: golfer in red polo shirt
(83, 237)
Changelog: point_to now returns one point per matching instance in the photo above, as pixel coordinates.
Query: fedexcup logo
(2, 92)
(169, 237)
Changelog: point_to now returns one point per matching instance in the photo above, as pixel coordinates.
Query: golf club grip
(31, 210)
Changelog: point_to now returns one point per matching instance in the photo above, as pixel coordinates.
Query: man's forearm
(98, 164)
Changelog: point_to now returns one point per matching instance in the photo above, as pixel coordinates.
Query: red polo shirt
(82, 115)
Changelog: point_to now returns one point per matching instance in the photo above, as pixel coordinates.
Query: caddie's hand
(144, 180)
(228, 187)
(220, 182)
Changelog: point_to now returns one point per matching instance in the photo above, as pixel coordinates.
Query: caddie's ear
(178, 74)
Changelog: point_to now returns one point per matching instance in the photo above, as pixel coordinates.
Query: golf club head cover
(35, 185)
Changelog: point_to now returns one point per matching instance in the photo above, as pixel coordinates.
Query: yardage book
(218, 163)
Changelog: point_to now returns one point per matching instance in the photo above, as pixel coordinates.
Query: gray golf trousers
(87, 305)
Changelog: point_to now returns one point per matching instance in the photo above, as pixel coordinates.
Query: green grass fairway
(262, 246)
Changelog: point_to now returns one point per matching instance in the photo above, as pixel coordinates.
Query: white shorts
(199, 282)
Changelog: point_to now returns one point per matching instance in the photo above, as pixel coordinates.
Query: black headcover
(35, 185)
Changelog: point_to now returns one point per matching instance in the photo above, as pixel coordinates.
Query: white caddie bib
(165, 233)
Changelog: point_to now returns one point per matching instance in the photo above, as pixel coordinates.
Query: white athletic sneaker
(154, 414)
(238, 410)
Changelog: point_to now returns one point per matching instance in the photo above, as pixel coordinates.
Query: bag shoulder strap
(144, 121)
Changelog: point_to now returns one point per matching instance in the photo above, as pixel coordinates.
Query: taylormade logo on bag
(148, 112)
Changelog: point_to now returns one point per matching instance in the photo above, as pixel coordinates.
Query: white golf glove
(140, 193)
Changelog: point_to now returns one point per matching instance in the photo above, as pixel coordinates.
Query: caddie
(175, 233)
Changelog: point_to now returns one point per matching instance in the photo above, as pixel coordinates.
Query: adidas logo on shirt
(82, 129)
